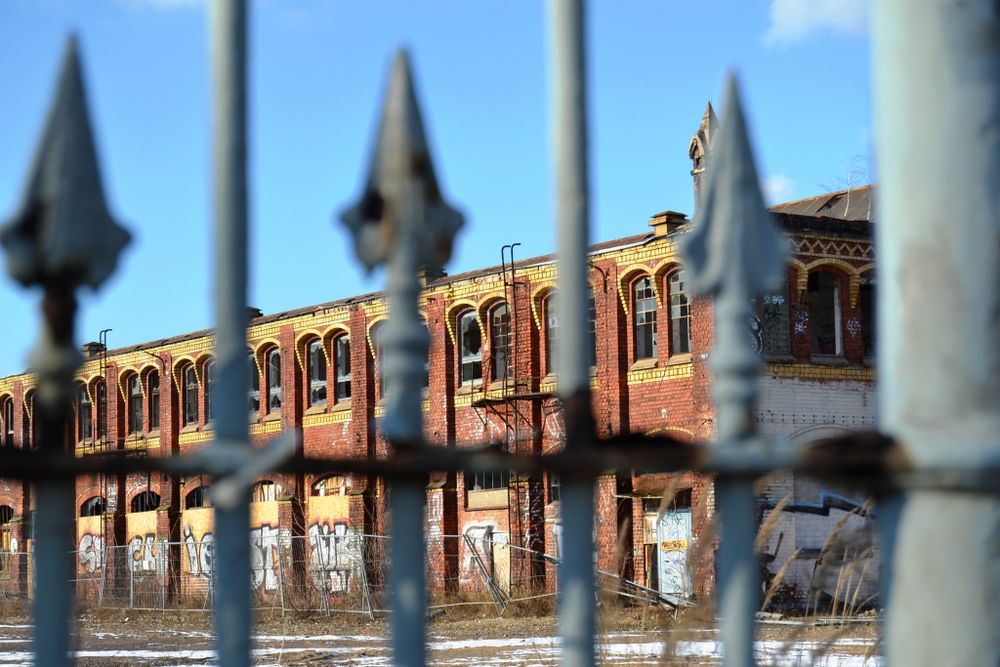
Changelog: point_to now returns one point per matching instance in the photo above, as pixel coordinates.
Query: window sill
(643, 364)
(778, 358)
(190, 428)
(316, 410)
(153, 433)
(678, 359)
(828, 360)
(341, 405)
(469, 387)
(272, 416)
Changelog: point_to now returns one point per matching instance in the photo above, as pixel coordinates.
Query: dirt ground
(456, 636)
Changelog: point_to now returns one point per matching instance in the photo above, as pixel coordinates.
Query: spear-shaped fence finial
(61, 237)
(63, 230)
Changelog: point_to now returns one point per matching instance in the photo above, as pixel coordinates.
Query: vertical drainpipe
(936, 78)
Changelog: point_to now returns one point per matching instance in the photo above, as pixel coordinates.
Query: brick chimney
(92, 349)
(667, 222)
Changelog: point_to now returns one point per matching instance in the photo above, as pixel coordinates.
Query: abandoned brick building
(489, 378)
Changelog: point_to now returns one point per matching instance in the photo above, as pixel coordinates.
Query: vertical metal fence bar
(402, 220)
(577, 613)
(937, 114)
(734, 253)
(232, 524)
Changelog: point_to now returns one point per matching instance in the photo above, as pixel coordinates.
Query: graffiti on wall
(200, 553)
(199, 556)
(90, 552)
(144, 553)
(833, 537)
(333, 555)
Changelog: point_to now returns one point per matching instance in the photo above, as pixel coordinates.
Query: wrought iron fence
(937, 101)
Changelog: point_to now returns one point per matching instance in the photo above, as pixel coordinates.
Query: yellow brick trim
(335, 417)
(194, 436)
(668, 372)
(819, 372)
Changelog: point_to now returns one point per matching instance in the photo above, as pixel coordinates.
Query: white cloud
(778, 188)
(794, 20)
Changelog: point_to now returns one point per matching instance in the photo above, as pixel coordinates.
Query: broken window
(135, 402)
(551, 332)
(680, 313)
(147, 501)
(487, 480)
(102, 409)
(190, 400)
(866, 301)
(500, 339)
(773, 324)
(6, 538)
(471, 344)
(93, 506)
(274, 380)
(263, 492)
(254, 393)
(84, 425)
(153, 398)
(331, 485)
(342, 360)
(644, 304)
(824, 314)
(199, 497)
(8, 421)
(317, 374)
(209, 371)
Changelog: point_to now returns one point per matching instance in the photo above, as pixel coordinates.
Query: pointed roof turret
(63, 229)
(735, 244)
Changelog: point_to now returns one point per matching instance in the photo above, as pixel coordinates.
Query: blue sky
(318, 67)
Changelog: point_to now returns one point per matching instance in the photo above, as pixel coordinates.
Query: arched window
(135, 401)
(342, 366)
(500, 340)
(209, 372)
(153, 399)
(6, 539)
(316, 361)
(101, 389)
(680, 313)
(7, 414)
(644, 305)
(84, 414)
(199, 497)
(263, 492)
(470, 343)
(376, 339)
(592, 325)
(189, 381)
(331, 485)
(146, 501)
(274, 380)
(28, 426)
(551, 332)
(866, 302)
(254, 393)
(93, 506)
(774, 323)
(824, 314)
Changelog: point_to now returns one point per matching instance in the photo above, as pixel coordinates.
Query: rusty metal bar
(577, 613)
(937, 110)
(232, 599)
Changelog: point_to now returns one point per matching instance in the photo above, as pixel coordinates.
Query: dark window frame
(645, 313)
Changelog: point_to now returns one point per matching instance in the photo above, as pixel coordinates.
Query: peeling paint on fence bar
(232, 544)
(577, 623)
(937, 112)
(402, 220)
